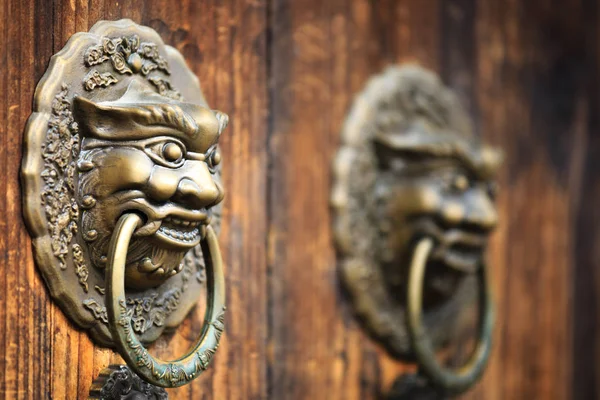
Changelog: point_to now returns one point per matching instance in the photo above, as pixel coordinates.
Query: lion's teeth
(185, 235)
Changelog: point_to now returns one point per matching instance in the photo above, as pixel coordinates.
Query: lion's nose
(481, 211)
(198, 194)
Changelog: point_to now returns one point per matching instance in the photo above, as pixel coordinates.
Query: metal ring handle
(450, 381)
(151, 369)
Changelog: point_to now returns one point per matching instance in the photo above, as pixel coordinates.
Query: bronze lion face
(155, 156)
(439, 185)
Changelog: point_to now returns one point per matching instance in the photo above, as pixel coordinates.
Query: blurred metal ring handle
(448, 380)
(153, 370)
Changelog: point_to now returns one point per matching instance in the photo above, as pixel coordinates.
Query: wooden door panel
(323, 53)
(286, 73)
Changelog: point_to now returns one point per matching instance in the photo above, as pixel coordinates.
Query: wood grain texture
(286, 73)
(533, 77)
(322, 54)
(42, 356)
(527, 72)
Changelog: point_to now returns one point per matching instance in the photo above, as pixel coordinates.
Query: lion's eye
(454, 181)
(460, 183)
(166, 152)
(213, 158)
(172, 152)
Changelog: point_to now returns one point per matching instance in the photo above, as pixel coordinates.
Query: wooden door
(286, 71)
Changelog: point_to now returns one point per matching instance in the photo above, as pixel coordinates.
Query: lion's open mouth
(464, 257)
(172, 226)
(458, 249)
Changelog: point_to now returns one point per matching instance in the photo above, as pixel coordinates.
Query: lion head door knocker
(121, 190)
(413, 204)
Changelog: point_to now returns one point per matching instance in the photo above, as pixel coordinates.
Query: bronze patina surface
(120, 126)
(154, 370)
(410, 168)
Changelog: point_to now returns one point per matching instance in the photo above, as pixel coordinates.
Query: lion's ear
(104, 120)
(86, 113)
(223, 120)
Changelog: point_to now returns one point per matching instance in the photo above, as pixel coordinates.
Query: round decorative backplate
(117, 87)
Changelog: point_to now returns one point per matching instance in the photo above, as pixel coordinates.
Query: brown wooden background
(285, 71)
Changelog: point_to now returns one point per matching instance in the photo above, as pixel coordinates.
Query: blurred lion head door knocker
(413, 203)
(121, 190)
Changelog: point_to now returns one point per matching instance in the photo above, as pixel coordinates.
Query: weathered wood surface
(286, 71)
(41, 354)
